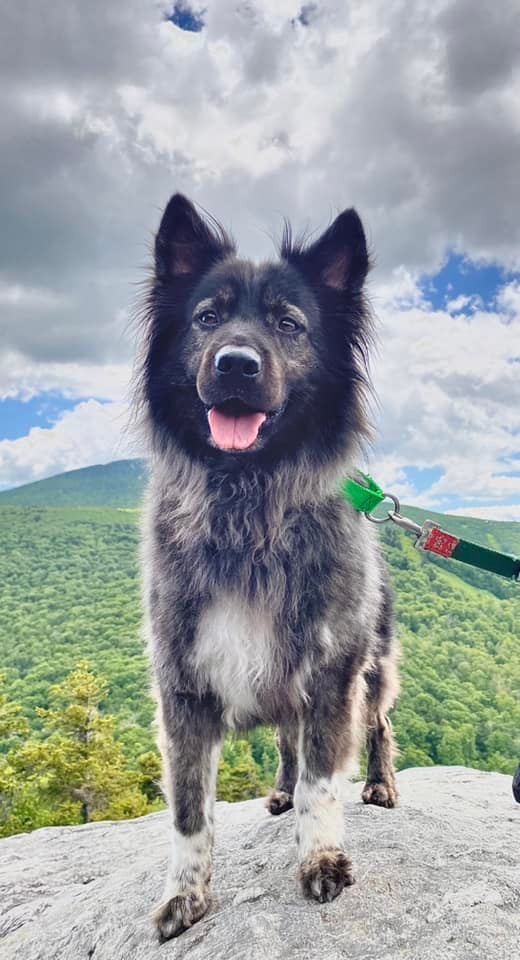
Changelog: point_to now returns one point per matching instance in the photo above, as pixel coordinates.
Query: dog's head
(247, 362)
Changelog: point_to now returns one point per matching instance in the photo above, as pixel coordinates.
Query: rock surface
(437, 879)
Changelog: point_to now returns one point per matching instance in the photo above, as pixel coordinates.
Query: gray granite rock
(437, 879)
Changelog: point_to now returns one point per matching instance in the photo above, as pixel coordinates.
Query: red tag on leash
(437, 541)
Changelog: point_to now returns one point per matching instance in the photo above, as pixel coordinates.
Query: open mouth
(236, 426)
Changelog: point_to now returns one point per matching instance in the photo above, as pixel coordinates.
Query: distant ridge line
(119, 483)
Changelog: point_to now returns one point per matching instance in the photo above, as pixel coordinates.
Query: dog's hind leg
(382, 688)
(380, 787)
(281, 797)
(190, 735)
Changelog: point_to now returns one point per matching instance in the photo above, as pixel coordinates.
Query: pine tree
(238, 777)
(149, 768)
(77, 772)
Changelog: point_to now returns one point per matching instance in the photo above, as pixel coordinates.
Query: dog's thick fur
(265, 592)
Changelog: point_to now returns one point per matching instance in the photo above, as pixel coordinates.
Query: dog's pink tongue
(234, 433)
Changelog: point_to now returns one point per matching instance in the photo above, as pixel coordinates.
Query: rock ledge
(437, 879)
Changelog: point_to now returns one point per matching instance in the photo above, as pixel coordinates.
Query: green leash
(365, 496)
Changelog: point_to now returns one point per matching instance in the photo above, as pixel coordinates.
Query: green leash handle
(366, 495)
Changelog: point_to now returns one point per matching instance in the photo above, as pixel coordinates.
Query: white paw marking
(319, 815)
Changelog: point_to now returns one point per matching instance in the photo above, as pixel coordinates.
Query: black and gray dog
(266, 595)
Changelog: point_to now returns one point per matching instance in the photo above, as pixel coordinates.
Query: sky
(257, 110)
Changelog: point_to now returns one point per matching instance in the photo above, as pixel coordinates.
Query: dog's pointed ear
(186, 245)
(339, 259)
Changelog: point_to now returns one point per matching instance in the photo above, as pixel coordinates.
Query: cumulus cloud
(409, 110)
(497, 512)
(91, 433)
(449, 392)
(448, 398)
(463, 301)
(108, 107)
(26, 379)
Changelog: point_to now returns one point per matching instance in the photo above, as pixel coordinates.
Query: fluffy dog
(266, 595)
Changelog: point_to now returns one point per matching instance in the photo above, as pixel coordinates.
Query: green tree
(69, 589)
(238, 777)
(149, 769)
(12, 726)
(12, 721)
(77, 772)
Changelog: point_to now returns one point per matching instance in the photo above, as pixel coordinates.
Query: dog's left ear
(338, 260)
(187, 245)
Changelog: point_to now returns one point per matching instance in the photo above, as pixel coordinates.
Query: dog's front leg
(327, 736)
(190, 740)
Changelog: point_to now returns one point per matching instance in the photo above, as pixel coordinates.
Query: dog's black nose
(240, 361)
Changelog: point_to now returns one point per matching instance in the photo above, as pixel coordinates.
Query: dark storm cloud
(403, 109)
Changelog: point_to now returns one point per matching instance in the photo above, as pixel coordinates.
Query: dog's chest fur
(250, 597)
(233, 654)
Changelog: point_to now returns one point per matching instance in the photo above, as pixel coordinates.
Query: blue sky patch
(185, 18)
(17, 416)
(422, 479)
(460, 276)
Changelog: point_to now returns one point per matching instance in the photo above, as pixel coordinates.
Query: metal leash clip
(396, 516)
(431, 538)
(364, 495)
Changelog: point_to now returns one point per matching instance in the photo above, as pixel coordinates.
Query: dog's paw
(278, 802)
(179, 913)
(381, 794)
(324, 874)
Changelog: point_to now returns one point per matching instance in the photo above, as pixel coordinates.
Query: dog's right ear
(186, 246)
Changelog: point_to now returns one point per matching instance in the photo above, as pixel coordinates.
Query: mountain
(117, 484)
(122, 482)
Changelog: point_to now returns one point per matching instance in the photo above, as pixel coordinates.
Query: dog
(266, 597)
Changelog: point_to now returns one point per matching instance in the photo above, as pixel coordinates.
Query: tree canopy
(76, 717)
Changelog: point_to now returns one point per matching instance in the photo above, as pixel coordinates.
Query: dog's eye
(288, 325)
(208, 318)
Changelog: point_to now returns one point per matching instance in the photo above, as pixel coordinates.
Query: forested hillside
(117, 484)
(69, 592)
